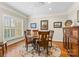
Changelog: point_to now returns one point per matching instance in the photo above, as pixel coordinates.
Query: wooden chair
(28, 40)
(43, 40)
(35, 33)
(28, 32)
(3, 45)
(51, 36)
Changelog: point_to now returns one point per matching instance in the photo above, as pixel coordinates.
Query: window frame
(6, 27)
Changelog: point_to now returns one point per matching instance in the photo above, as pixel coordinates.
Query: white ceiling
(40, 8)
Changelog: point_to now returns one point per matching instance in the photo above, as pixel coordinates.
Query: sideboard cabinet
(71, 40)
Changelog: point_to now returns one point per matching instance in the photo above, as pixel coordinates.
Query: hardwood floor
(60, 45)
(12, 49)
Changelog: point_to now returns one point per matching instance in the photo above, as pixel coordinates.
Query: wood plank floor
(12, 49)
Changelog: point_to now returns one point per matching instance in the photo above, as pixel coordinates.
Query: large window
(12, 27)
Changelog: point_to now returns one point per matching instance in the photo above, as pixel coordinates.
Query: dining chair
(51, 33)
(43, 41)
(35, 33)
(28, 40)
(28, 32)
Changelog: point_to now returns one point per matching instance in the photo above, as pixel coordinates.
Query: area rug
(53, 52)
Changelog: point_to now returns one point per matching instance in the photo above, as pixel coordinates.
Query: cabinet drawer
(74, 50)
(74, 41)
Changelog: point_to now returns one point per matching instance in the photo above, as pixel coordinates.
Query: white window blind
(12, 27)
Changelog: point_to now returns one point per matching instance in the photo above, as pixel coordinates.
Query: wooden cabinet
(71, 40)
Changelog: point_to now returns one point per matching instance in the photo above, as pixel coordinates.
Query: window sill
(13, 38)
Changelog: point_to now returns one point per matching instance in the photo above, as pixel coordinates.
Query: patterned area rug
(53, 52)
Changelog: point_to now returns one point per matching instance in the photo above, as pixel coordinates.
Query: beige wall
(58, 33)
(5, 10)
(1, 34)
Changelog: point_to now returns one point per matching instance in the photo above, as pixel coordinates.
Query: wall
(72, 13)
(58, 33)
(1, 34)
(5, 10)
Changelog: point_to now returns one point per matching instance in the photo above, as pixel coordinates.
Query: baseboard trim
(57, 40)
(14, 41)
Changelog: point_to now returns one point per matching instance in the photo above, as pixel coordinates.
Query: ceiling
(40, 8)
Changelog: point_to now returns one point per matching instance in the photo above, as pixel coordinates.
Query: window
(12, 27)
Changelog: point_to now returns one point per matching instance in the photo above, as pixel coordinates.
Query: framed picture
(44, 25)
(33, 25)
(77, 15)
(57, 24)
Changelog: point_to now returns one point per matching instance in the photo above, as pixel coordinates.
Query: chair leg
(39, 51)
(27, 47)
(34, 45)
(37, 47)
(51, 44)
(6, 46)
(47, 51)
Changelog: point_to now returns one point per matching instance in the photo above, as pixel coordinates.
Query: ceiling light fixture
(49, 2)
(50, 9)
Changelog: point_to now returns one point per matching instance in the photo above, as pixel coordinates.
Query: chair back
(43, 35)
(51, 34)
(28, 32)
(35, 32)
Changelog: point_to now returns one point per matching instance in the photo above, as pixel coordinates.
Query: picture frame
(57, 24)
(44, 25)
(33, 25)
(77, 15)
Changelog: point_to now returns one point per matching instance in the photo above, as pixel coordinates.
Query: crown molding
(4, 6)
